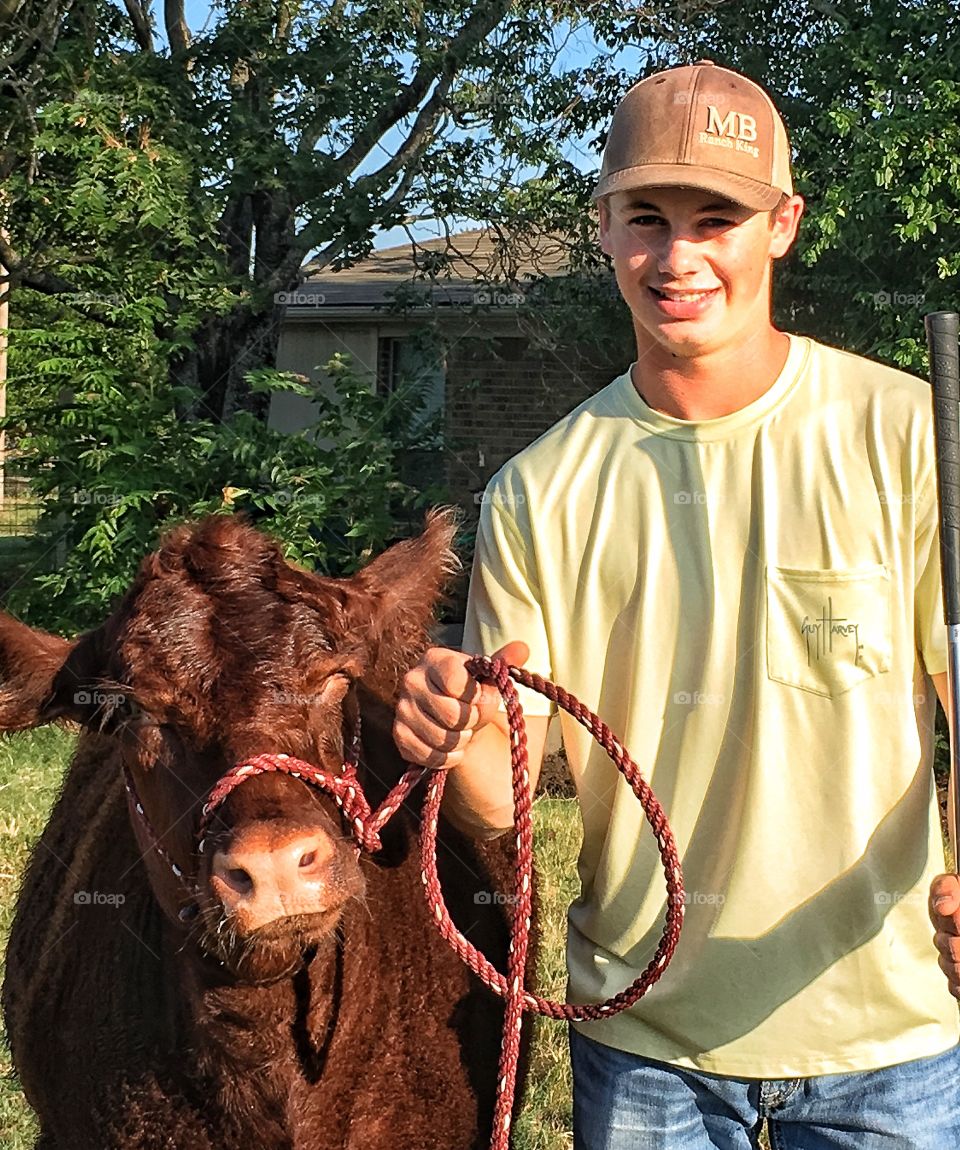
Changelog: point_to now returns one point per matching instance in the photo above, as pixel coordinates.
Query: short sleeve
(931, 631)
(504, 602)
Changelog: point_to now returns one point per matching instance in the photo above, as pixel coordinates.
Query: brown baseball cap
(699, 126)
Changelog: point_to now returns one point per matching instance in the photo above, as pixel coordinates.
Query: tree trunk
(227, 348)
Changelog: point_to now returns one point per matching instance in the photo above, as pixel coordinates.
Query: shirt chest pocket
(828, 630)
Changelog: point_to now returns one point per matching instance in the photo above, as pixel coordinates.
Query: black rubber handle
(943, 330)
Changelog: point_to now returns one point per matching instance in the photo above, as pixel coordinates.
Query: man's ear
(30, 661)
(603, 225)
(785, 226)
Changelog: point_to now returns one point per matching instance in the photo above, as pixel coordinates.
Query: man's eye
(644, 221)
(718, 222)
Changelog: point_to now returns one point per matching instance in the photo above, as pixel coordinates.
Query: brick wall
(502, 393)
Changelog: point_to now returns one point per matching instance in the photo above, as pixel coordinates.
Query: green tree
(162, 189)
(871, 95)
(299, 127)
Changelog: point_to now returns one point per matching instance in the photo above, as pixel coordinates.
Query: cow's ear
(389, 604)
(77, 688)
(30, 663)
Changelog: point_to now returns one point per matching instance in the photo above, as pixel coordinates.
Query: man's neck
(712, 385)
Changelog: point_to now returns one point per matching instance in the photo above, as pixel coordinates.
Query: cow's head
(219, 651)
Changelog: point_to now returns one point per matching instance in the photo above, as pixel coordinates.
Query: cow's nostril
(240, 879)
(308, 859)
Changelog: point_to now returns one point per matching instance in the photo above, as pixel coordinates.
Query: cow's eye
(114, 708)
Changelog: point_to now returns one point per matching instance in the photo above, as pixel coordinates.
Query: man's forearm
(478, 798)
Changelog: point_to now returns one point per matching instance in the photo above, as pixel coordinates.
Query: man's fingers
(441, 705)
(948, 945)
(423, 754)
(515, 653)
(952, 971)
(439, 735)
(452, 696)
(447, 678)
(945, 899)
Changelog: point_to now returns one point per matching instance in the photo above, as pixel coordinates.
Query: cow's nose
(266, 875)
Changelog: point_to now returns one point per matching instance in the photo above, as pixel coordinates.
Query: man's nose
(678, 255)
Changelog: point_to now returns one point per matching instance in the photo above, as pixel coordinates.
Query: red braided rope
(511, 988)
(365, 825)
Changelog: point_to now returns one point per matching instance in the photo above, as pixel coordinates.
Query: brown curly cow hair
(132, 1030)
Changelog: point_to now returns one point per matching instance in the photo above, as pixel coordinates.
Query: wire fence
(19, 508)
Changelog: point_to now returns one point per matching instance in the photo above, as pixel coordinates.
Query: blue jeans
(624, 1102)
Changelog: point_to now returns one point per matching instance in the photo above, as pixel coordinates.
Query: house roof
(478, 266)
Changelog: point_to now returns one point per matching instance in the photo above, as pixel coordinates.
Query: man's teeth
(684, 296)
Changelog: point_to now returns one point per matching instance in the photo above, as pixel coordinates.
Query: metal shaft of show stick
(943, 329)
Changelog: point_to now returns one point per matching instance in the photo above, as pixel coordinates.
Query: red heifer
(302, 1000)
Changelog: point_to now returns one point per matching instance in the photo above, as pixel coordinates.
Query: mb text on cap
(699, 126)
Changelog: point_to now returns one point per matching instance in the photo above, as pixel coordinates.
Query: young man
(730, 553)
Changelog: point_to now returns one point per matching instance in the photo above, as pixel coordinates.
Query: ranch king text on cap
(698, 127)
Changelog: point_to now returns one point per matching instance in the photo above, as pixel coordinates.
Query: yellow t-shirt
(751, 604)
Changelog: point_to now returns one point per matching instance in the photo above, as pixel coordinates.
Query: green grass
(545, 1122)
(31, 765)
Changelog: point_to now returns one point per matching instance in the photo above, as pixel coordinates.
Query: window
(408, 364)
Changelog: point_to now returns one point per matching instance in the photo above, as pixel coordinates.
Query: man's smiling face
(693, 267)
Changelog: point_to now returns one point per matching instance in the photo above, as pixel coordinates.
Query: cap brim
(741, 189)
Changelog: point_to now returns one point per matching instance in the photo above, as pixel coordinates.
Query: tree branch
(141, 24)
(477, 27)
(16, 273)
(285, 11)
(404, 159)
(43, 34)
(335, 247)
(420, 135)
(178, 34)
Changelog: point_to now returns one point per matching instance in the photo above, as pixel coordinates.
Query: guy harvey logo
(735, 130)
(819, 634)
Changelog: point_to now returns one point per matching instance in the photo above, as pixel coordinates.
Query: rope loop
(511, 986)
